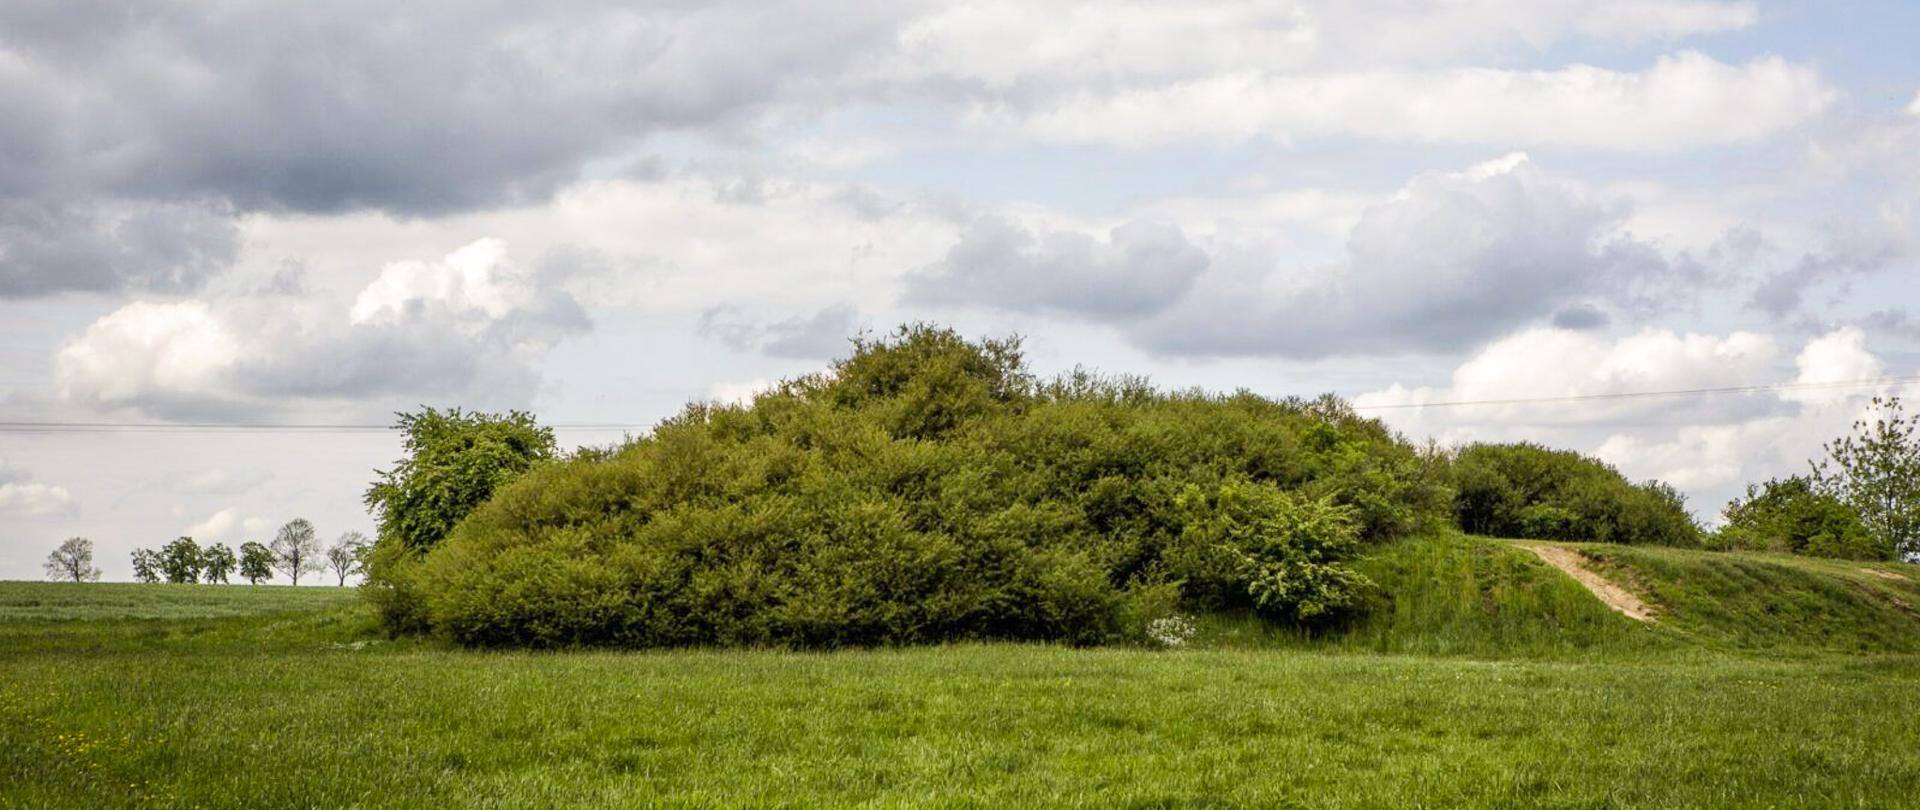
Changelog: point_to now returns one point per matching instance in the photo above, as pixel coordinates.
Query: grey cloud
(53, 247)
(410, 108)
(1450, 262)
(1141, 268)
(1581, 317)
(1782, 293)
(819, 335)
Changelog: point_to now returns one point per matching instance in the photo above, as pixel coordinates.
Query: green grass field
(1483, 679)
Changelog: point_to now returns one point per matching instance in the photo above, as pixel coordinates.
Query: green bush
(1525, 490)
(925, 489)
(1790, 516)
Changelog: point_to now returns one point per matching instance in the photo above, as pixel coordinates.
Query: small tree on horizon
(256, 563)
(1876, 470)
(180, 561)
(72, 561)
(346, 555)
(216, 562)
(146, 565)
(296, 550)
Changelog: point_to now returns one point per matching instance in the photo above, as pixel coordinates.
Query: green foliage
(1525, 490)
(146, 565)
(256, 562)
(180, 561)
(1243, 542)
(1876, 471)
(217, 562)
(454, 460)
(1791, 517)
(925, 489)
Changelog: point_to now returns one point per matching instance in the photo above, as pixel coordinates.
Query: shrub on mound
(1525, 490)
(927, 489)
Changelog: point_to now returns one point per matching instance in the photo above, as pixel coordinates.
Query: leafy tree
(217, 562)
(72, 561)
(1791, 516)
(296, 550)
(180, 560)
(454, 460)
(256, 562)
(347, 555)
(1876, 471)
(146, 565)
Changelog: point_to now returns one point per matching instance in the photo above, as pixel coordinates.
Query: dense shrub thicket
(1525, 490)
(1790, 515)
(927, 488)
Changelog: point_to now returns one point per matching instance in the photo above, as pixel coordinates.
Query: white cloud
(473, 324)
(1681, 101)
(146, 349)
(21, 496)
(228, 525)
(1838, 357)
(34, 499)
(1707, 445)
(1913, 107)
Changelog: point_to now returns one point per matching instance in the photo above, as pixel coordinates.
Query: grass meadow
(1493, 685)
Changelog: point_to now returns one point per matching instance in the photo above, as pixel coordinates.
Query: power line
(327, 427)
(1685, 392)
(214, 427)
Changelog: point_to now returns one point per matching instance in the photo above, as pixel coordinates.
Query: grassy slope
(1770, 601)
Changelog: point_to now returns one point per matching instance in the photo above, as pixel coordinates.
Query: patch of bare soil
(1614, 596)
(1885, 574)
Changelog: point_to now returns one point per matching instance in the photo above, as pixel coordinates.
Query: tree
(180, 561)
(1876, 470)
(146, 565)
(296, 550)
(1789, 515)
(217, 561)
(454, 461)
(72, 561)
(346, 556)
(256, 562)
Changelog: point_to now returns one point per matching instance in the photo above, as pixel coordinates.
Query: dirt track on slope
(1616, 597)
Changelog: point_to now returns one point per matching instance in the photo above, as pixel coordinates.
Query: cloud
(472, 324)
(50, 247)
(819, 335)
(228, 525)
(1451, 260)
(21, 496)
(1838, 358)
(1138, 269)
(1543, 363)
(1681, 101)
(1707, 445)
(1783, 292)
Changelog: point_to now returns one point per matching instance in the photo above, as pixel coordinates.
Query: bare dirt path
(1616, 597)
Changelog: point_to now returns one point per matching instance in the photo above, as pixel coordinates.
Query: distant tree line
(295, 551)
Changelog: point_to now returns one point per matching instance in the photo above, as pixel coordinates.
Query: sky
(239, 213)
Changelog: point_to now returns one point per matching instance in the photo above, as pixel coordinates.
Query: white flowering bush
(1172, 631)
